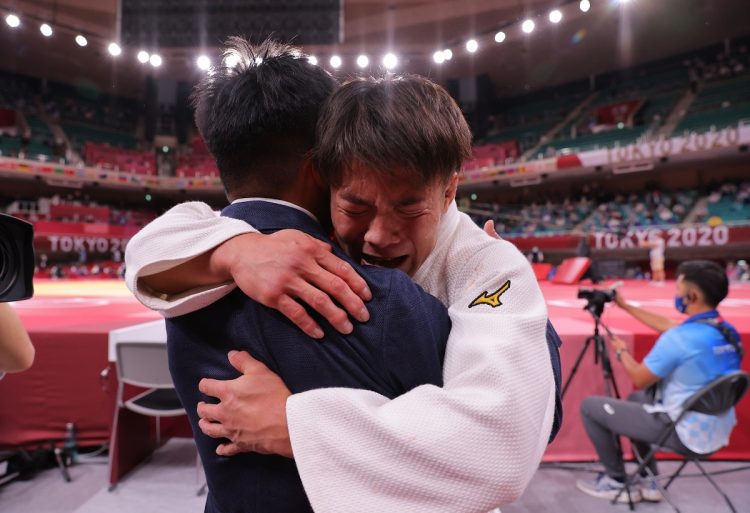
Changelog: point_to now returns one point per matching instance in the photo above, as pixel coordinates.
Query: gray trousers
(604, 418)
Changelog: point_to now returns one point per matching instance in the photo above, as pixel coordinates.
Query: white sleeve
(468, 447)
(183, 232)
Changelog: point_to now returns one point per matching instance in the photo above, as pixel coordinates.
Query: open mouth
(383, 262)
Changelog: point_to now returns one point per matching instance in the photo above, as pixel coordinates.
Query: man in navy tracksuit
(259, 143)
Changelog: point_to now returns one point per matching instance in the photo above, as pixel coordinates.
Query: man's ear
(450, 191)
(310, 169)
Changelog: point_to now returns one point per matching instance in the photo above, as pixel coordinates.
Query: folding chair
(716, 398)
(145, 364)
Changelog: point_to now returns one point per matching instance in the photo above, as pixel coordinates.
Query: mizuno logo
(493, 300)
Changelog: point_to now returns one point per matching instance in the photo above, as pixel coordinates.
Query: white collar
(278, 202)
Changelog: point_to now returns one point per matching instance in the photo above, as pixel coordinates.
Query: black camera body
(596, 299)
(16, 259)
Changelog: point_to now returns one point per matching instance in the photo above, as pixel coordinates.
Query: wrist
(619, 351)
(228, 255)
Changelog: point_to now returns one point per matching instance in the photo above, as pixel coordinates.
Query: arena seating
(196, 161)
(121, 159)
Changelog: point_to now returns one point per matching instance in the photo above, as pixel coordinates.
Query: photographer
(16, 351)
(686, 357)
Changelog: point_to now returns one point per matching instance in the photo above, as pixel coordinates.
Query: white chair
(145, 365)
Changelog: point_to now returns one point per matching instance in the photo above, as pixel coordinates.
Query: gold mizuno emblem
(493, 299)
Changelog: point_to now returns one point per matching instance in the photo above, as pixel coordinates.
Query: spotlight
(500, 37)
(448, 54)
(585, 5)
(439, 57)
(143, 56)
(363, 61)
(472, 45)
(528, 26)
(81, 41)
(155, 60)
(624, 1)
(555, 16)
(313, 60)
(390, 61)
(114, 49)
(335, 62)
(45, 29)
(203, 62)
(12, 20)
(231, 60)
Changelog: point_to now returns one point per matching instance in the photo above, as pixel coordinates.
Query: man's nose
(383, 231)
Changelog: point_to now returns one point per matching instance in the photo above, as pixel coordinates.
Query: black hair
(390, 125)
(258, 117)
(708, 276)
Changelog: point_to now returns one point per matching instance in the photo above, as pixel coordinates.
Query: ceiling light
(390, 61)
(155, 60)
(203, 62)
(231, 59)
(12, 20)
(448, 54)
(472, 45)
(45, 29)
(439, 57)
(555, 16)
(143, 56)
(363, 61)
(114, 49)
(585, 5)
(313, 60)
(528, 26)
(500, 37)
(81, 41)
(335, 61)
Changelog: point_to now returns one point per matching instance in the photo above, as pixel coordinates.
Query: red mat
(70, 324)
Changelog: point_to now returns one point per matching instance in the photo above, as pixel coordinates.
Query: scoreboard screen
(207, 23)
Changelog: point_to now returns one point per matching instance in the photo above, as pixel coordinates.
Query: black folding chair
(716, 398)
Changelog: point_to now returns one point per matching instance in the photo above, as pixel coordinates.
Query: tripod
(600, 352)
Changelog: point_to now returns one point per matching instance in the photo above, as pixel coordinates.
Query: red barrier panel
(571, 270)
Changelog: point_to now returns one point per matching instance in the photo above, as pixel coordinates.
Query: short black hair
(708, 276)
(258, 117)
(392, 124)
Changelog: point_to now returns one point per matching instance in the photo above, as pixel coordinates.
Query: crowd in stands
(77, 210)
(592, 210)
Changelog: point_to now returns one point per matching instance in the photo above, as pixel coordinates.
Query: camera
(16, 259)
(596, 299)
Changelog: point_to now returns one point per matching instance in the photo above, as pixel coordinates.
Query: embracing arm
(187, 258)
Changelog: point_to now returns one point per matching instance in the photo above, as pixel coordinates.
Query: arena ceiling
(610, 36)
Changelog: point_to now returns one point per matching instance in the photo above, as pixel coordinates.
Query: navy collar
(267, 216)
(699, 317)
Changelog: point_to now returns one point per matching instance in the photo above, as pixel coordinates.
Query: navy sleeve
(415, 334)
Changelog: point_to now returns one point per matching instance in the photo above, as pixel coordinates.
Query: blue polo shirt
(686, 358)
(401, 347)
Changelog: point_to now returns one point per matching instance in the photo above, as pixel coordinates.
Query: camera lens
(9, 263)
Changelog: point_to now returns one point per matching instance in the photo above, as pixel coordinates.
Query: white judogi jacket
(468, 447)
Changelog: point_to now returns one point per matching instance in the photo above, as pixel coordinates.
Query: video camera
(16, 259)
(596, 299)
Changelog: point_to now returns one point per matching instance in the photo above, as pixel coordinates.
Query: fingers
(346, 272)
(344, 284)
(299, 316)
(208, 412)
(489, 229)
(228, 449)
(242, 361)
(213, 429)
(212, 387)
(321, 302)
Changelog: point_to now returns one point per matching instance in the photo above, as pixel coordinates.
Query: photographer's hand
(16, 350)
(639, 374)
